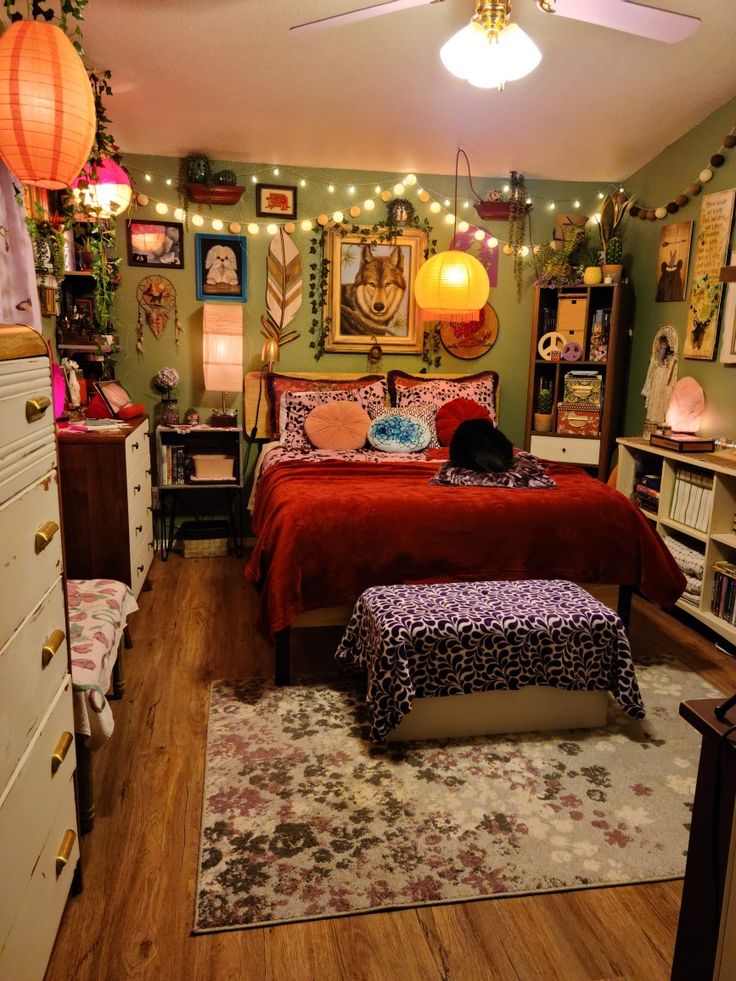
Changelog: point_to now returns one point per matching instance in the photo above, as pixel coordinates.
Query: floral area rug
(303, 818)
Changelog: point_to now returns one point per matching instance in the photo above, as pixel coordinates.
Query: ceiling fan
(618, 15)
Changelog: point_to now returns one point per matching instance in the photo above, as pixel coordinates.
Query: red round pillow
(451, 414)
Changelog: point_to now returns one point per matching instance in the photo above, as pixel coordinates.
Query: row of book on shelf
(646, 492)
(692, 498)
(176, 465)
(723, 599)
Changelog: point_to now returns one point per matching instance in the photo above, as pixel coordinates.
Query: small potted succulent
(543, 415)
(612, 256)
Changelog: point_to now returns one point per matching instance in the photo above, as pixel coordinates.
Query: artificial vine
(517, 219)
(73, 9)
(319, 272)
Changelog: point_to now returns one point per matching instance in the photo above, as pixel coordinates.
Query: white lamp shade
(464, 49)
(488, 62)
(222, 348)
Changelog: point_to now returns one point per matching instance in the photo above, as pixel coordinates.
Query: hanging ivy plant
(68, 9)
(319, 273)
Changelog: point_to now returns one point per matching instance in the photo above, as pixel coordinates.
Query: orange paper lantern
(47, 111)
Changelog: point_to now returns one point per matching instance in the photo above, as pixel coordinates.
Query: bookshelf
(697, 508)
(199, 468)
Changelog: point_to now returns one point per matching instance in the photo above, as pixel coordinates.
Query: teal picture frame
(222, 267)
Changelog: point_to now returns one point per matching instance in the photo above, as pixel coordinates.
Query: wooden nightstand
(105, 480)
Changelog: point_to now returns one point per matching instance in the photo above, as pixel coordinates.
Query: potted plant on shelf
(613, 209)
(612, 266)
(543, 415)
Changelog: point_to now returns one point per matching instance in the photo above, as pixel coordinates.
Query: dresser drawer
(29, 566)
(140, 516)
(139, 566)
(137, 449)
(27, 948)
(32, 800)
(29, 678)
(25, 460)
(25, 398)
(581, 451)
(138, 487)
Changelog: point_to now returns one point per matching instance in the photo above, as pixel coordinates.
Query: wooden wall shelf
(495, 210)
(214, 193)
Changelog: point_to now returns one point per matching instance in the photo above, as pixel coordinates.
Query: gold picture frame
(370, 291)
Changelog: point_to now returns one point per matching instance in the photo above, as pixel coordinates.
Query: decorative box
(578, 420)
(583, 387)
(572, 316)
(213, 466)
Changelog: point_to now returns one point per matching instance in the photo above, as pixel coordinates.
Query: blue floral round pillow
(399, 432)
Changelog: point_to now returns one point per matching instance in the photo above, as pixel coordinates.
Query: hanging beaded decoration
(156, 299)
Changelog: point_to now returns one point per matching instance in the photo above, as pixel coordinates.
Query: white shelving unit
(718, 541)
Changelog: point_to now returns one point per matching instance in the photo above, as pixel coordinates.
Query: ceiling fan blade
(632, 18)
(362, 13)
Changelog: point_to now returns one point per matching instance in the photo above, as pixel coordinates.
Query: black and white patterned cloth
(525, 471)
(457, 638)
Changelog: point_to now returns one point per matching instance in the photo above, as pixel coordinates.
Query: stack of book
(692, 498)
(646, 493)
(723, 601)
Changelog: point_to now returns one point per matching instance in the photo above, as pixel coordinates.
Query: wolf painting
(373, 304)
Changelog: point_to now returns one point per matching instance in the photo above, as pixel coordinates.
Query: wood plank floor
(133, 918)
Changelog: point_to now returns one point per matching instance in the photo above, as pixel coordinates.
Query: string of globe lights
(437, 204)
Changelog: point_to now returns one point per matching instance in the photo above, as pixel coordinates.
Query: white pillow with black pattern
(437, 392)
(297, 406)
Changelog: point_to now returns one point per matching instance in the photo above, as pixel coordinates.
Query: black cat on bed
(479, 445)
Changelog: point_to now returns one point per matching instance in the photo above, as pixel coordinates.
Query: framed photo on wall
(370, 291)
(155, 243)
(221, 267)
(728, 343)
(275, 201)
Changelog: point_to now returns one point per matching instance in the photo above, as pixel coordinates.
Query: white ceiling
(226, 77)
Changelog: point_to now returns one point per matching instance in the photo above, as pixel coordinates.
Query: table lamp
(222, 356)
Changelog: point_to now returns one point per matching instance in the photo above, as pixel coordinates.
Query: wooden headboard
(255, 384)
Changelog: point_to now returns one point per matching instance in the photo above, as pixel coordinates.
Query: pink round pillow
(451, 414)
(337, 425)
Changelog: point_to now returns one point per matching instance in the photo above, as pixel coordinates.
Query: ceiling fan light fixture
(509, 57)
(490, 50)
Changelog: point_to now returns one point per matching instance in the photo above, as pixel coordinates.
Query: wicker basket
(205, 548)
(204, 539)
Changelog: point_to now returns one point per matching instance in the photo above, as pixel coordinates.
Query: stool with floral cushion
(98, 612)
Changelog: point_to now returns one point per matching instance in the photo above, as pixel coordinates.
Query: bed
(329, 525)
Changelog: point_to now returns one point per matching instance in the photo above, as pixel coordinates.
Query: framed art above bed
(370, 291)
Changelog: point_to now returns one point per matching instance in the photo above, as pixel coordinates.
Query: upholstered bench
(98, 613)
(462, 659)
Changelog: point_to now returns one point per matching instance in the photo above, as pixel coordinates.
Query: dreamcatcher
(661, 377)
(156, 299)
(375, 356)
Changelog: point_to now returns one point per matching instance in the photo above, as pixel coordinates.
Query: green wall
(662, 179)
(509, 356)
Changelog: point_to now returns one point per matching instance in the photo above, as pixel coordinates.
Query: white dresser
(39, 847)
(106, 502)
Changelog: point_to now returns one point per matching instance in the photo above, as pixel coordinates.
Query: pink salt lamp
(686, 406)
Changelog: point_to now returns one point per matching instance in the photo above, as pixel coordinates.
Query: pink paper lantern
(104, 190)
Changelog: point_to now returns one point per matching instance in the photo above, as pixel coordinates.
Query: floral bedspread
(98, 612)
(459, 638)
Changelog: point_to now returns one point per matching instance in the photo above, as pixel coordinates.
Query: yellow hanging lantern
(451, 286)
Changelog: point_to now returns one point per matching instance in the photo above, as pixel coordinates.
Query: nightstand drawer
(29, 531)
(28, 946)
(138, 449)
(31, 801)
(30, 676)
(580, 451)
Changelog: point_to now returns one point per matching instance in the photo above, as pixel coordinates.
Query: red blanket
(327, 530)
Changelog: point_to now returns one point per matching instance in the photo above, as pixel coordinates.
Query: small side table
(177, 483)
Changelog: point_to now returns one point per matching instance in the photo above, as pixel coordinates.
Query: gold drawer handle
(65, 851)
(62, 748)
(53, 643)
(44, 535)
(35, 408)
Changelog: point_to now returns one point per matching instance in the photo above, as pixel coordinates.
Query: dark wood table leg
(282, 670)
(624, 604)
